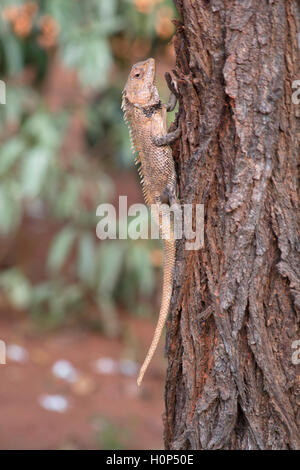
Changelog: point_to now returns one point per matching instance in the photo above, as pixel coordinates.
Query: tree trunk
(231, 380)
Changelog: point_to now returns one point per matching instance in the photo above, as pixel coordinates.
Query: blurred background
(77, 314)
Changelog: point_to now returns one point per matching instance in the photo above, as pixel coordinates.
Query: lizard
(145, 116)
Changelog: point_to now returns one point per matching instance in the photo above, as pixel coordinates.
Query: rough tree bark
(231, 381)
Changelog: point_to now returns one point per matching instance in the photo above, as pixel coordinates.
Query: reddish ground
(105, 411)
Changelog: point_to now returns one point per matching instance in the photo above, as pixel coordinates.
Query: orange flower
(145, 6)
(30, 8)
(10, 14)
(22, 26)
(49, 32)
(164, 27)
(21, 17)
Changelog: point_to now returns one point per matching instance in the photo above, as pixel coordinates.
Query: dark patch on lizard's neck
(148, 111)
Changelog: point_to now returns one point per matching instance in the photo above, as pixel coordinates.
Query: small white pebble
(16, 353)
(106, 365)
(57, 403)
(63, 369)
(128, 367)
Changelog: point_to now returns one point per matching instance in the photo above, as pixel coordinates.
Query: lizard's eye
(136, 75)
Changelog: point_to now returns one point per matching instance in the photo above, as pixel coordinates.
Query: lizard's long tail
(169, 262)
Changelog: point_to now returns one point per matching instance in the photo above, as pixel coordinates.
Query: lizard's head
(140, 87)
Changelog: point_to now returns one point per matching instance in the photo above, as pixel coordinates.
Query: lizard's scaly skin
(146, 118)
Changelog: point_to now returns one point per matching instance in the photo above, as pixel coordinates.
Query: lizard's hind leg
(168, 195)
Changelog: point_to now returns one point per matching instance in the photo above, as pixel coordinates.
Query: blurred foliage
(98, 39)
(109, 436)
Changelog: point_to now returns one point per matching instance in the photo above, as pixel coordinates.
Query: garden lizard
(146, 117)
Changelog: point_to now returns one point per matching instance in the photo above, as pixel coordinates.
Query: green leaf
(110, 259)
(60, 249)
(65, 300)
(9, 153)
(17, 288)
(67, 205)
(138, 262)
(10, 208)
(91, 56)
(43, 128)
(13, 54)
(86, 259)
(107, 9)
(34, 170)
(53, 301)
(19, 99)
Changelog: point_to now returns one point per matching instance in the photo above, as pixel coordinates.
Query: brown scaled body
(146, 118)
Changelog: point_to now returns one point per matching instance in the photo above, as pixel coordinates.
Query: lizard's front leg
(166, 139)
(169, 137)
